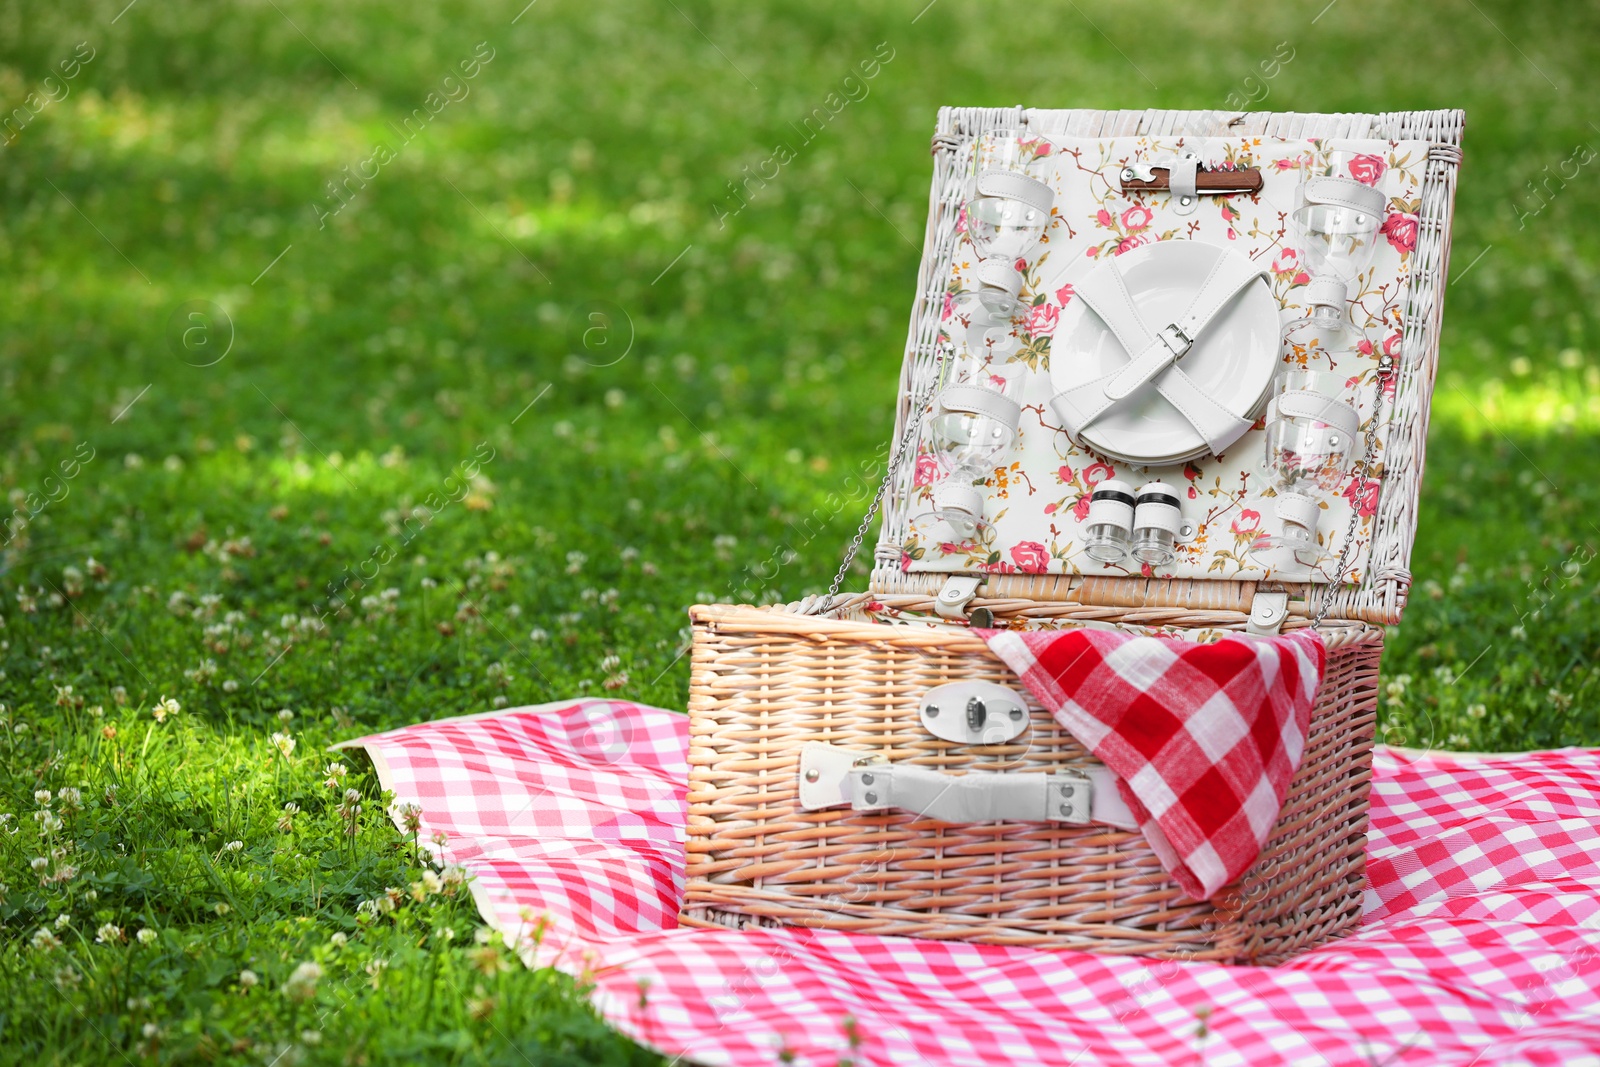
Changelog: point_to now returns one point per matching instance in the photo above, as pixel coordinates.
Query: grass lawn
(410, 390)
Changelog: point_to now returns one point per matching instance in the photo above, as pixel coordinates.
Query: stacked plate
(1232, 361)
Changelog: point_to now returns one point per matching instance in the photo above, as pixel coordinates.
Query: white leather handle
(1078, 795)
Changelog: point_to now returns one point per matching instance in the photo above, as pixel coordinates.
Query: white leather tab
(958, 592)
(976, 400)
(1181, 179)
(1298, 508)
(973, 713)
(1009, 185)
(1305, 404)
(1267, 612)
(999, 273)
(1326, 290)
(823, 768)
(959, 497)
(1342, 192)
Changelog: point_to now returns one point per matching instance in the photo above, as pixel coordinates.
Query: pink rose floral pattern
(1038, 498)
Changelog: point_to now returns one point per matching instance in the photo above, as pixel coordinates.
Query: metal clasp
(976, 713)
(1177, 342)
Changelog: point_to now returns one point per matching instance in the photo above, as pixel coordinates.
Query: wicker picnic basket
(852, 669)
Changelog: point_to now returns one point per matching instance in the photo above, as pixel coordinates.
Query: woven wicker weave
(766, 681)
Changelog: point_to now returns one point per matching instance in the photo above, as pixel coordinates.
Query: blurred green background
(349, 363)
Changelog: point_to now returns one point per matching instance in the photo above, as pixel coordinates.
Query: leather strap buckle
(1177, 342)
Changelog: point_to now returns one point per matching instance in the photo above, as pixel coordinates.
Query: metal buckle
(1177, 342)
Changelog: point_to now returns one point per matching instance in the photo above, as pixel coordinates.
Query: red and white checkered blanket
(1204, 738)
(1481, 944)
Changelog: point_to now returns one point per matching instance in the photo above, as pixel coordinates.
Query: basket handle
(831, 776)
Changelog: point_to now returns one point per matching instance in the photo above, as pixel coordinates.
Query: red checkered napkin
(1203, 738)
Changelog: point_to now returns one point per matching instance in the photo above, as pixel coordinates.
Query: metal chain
(913, 425)
(1385, 372)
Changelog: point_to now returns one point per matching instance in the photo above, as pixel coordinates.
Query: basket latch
(958, 592)
(1267, 612)
(973, 713)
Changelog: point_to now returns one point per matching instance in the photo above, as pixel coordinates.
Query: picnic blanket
(1480, 945)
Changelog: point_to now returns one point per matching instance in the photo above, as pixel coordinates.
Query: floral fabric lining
(1039, 498)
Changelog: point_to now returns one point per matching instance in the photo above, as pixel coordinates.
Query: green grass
(410, 335)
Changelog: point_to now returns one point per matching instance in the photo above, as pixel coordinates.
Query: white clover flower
(233, 846)
(108, 934)
(339, 939)
(63, 921)
(41, 797)
(44, 940)
(164, 707)
(302, 984)
(248, 979)
(285, 715)
(409, 816)
(146, 936)
(284, 744)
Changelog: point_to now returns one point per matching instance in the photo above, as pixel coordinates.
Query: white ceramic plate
(1232, 360)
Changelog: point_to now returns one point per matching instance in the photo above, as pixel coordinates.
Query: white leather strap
(1182, 182)
(1342, 192)
(976, 400)
(952, 495)
(959, 591)
(1305, 404)
(1298, 508)
(1325, 290)
(1009, 185)
(1154, 354)
(1079, 795)
(999, 273)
